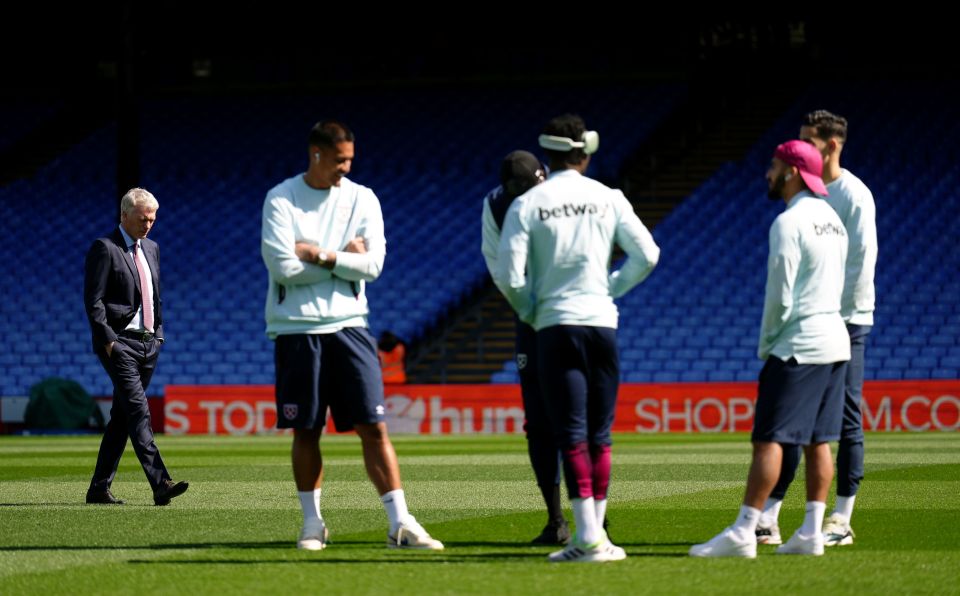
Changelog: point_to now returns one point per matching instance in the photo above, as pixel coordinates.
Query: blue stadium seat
(905, 351)
(693, 376)
(943, 340)
(926, 362)
(666, 377)
(888, 374)
(721, 376)
(896, 363)
(885, 339)
(714, 354)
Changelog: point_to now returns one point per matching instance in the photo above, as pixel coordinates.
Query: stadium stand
(430, 158)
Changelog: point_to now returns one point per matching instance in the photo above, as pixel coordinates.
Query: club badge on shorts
(521, 361)
(290, 411)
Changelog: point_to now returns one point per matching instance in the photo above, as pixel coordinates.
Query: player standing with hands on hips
(553, 266)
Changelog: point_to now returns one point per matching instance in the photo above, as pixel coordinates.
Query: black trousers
(541, 446)
(130, 366)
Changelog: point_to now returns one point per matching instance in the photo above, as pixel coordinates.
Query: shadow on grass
(185, 545)
(68, 504)
(80, 503)
(395, 556)
(427, 557)
(424, 557)
(514, 550)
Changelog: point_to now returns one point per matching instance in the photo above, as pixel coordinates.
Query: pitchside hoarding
(896, 406)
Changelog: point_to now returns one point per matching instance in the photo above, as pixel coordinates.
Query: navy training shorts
(337, 370)
(799, 404)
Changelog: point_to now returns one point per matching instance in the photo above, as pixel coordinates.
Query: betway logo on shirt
(570, 210)
(829, 228)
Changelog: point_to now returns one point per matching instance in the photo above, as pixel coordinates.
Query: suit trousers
(130, 366)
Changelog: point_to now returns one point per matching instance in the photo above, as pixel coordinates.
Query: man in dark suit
(121, 293)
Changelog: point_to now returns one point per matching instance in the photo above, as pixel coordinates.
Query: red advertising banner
(728, 407)
(913, 406)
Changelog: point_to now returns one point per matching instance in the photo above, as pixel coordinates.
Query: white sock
(844, 506)
(585, 517)
(601, 506)
(310, 503)
(395, 504)
(747, 520)
(813, 518)
(771, 513)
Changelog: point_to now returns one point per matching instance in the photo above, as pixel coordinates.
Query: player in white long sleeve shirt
(307, 296)
(322, 239)
(801, 309)
(854, 204)
(553, 267)
(805, 345)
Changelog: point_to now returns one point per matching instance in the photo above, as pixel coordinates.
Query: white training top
(304, 297)
(853, 202)
(801, 312)
(554, 255)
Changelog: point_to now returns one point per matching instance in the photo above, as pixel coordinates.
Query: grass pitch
(234, 531)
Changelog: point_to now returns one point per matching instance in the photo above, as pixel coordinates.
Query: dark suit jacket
(111, 287)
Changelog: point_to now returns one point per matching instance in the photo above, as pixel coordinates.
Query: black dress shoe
(102, 497)
(168, 490)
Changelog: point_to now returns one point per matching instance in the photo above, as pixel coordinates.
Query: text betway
(828, 229)
(570, 210)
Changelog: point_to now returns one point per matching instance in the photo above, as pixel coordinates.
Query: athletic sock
(747, 520)
(844, 506)
(813, 518)
(310, 504)
(771, 513)
(395, 503)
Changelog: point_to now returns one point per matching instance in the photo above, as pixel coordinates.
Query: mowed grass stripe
(467, 495)
(213, 458)
(347, 494)
(41, 562)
